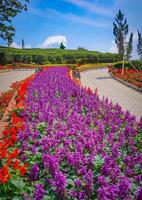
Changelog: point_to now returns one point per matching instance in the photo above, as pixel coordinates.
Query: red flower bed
(18, 66)
(130, 75)
(4, 100)
(12, 169)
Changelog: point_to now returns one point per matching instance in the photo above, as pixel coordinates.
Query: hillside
(45, 56)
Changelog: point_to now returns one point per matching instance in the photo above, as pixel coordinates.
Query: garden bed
(130, 77)
(5, 97)
(65, 143)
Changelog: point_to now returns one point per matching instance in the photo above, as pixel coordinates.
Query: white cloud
(91, 7)
(53, 40)
(113, 47)
(18, 46)
(15, 45)
(28, 46)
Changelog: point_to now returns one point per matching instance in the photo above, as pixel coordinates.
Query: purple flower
(78, 183)
(60, 183)
(39, 192)
(34, 172)
(124, 187)
(79, 126)
(139, 194)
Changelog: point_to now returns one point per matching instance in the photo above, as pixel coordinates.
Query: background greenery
(52, 56)
(136, 63)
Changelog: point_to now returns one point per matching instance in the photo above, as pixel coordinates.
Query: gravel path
(7, 78)
(128, 98)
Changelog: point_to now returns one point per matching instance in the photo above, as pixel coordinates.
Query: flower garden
(63, 142)
(130, 75)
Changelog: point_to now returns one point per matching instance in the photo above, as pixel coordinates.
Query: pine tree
(23, 44)
(120, 31)
(8, 10)
(62, 46)
(129, 47)
(139, 45)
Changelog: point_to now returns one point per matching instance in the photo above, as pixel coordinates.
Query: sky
(76, 23)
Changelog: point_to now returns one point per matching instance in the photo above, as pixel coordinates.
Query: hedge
(51, 56)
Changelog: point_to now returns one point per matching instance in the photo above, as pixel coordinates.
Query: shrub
(5, 58)
(59, 59)
(39, 59)
(137, 64)
(27, 59)
(17, 58)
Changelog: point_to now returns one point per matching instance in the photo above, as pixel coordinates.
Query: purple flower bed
(78, 146)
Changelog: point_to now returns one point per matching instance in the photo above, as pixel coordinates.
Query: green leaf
(19, 183)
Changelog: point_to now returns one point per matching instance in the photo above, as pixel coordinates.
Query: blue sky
(84, 23)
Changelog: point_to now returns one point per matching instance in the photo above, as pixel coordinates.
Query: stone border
(126, 83)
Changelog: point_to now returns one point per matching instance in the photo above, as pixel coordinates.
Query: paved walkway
(7, 78)
(128, 98)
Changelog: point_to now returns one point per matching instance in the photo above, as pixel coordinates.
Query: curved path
(7, 78)
(128, 98)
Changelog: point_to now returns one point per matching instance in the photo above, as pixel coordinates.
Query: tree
(23, 44)
(139, 45)
(129, 47)
(120, 31)
(8, 10)
(62, 46)
(82, 49)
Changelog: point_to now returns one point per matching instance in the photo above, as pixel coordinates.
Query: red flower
(4, 174)
(14, 154)
(16, 164)
(3, 153)
(23, 169)
(13, 130)
(5, 132)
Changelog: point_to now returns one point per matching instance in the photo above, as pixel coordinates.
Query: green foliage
(39, 59)
(52, 56)
(98, 162)
(17, 58)
(5, 58)
(120, 31)
(41, 127)
(62, 46)
(139, 45)
(8, 10)
(129, 47)
(136, 63)
(27, 59)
